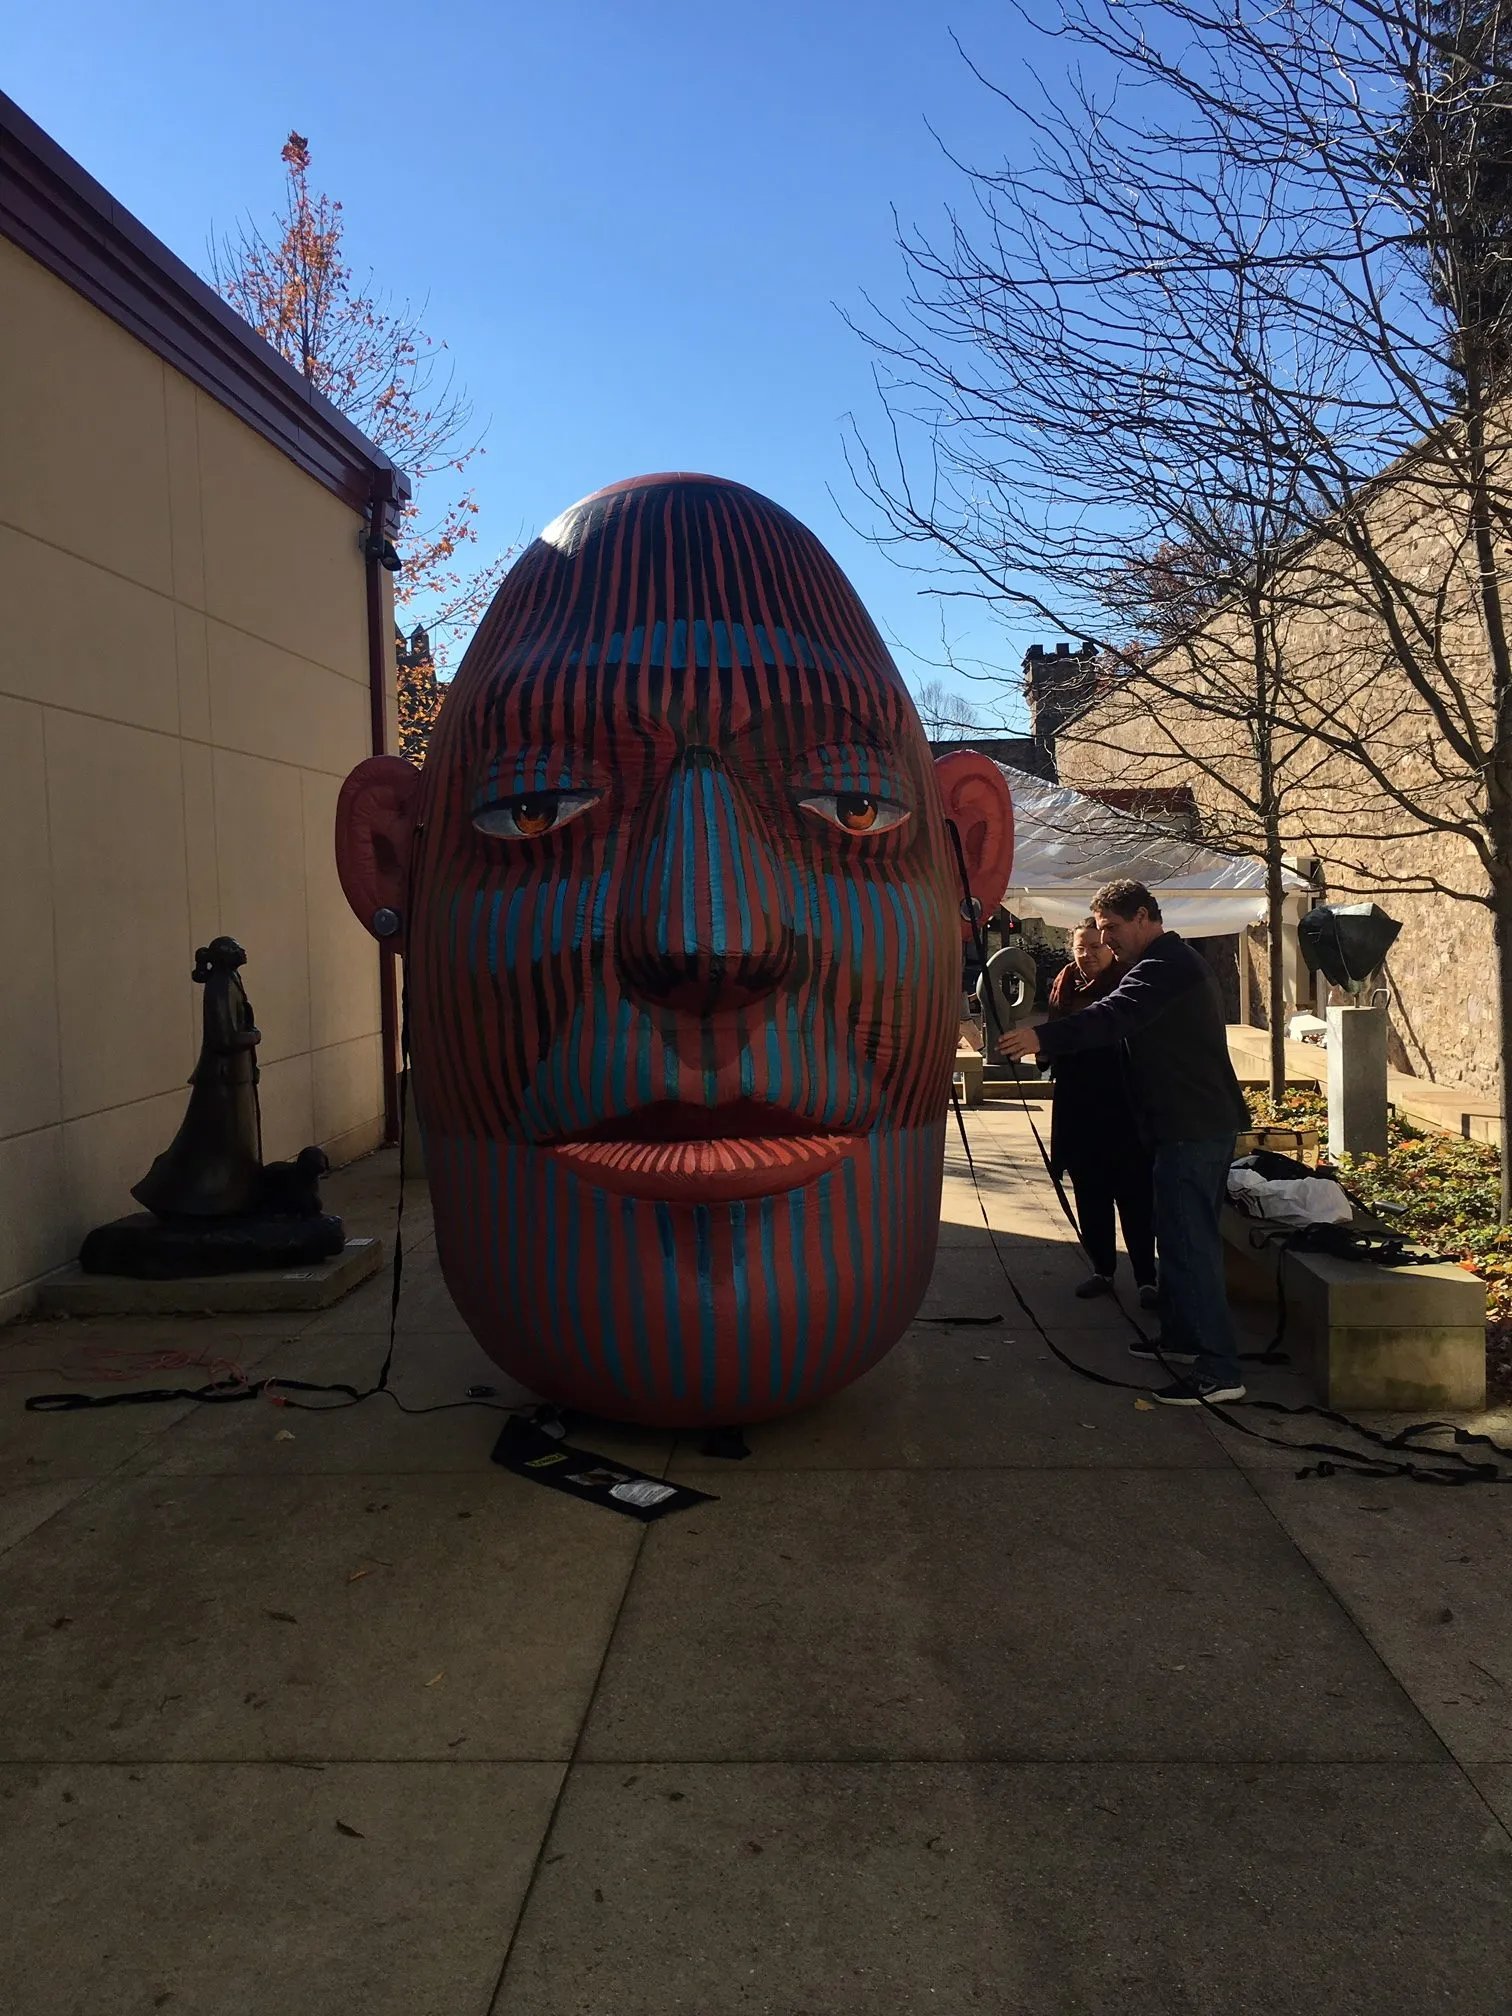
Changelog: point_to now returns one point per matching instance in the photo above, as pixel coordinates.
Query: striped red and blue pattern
(684, 929)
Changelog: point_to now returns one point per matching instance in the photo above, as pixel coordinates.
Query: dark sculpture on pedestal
(212, 1166)
(213, 1207)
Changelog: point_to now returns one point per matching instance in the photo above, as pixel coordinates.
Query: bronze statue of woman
(212, 1166)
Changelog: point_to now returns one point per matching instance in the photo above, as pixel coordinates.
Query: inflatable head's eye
(533, 814)
(855, 811)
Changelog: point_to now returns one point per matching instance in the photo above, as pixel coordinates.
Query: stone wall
(1328, 634)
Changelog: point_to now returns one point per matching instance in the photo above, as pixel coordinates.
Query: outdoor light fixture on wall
(383, 551)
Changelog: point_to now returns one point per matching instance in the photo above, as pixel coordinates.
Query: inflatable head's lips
(675, 1152)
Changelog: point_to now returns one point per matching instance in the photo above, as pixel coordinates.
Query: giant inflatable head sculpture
(682, 924)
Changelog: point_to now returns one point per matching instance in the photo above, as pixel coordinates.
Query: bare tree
(940, 709)
(1213, 694)
(1092, 457)
(1246, 295)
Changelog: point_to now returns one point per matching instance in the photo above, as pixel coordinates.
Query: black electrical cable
(1334, 1457)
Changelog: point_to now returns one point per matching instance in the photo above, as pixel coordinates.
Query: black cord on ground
(1334, 1456)
(280, 1391)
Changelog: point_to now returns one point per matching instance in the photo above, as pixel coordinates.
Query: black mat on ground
(530, 1451)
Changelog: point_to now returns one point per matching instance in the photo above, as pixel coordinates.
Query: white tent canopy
(1067, 845)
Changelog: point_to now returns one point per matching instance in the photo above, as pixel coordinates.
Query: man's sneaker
(1095, 1284)
(1148, 1347)
(1196, 1393)
(1149, 1295)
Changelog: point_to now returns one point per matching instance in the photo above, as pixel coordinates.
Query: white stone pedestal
(968, 1068)
(267, 1291)
(1357, 1081)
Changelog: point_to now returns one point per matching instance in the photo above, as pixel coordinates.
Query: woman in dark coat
(1093, 1139)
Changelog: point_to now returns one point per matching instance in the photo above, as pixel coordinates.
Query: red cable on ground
(119, 1364)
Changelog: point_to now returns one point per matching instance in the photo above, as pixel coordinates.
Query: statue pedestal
(146, 1248)
(263, 1291)
(1357, 1081)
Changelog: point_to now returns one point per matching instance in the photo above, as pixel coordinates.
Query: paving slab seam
(567, 1768)
(316, 1764)
(1187, 1761)
(808, 1761)
(1358, 1627)
(938, 1760)
(976, 1468)
(1313, 1570)
(89, 1485)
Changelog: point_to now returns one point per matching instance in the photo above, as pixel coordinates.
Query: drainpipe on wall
(378, 554)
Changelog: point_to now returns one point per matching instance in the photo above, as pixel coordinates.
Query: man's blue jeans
(1191, 1178)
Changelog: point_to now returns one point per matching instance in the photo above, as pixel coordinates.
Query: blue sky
(633, 224)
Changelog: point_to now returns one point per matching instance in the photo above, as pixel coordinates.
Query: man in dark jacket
(1167, 1017)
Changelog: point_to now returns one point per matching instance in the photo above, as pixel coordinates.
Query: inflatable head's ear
(375, 822)
(974, 793)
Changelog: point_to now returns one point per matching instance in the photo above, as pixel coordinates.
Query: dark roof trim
(1173, 807)
(69, 224)
(1020, 752)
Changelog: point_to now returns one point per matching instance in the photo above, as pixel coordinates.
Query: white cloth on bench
(1303, 1200)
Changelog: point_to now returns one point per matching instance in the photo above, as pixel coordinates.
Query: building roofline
(61, 217)
(1023, 752)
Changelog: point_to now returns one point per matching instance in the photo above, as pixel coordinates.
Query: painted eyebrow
(518, 773)
(817, 723)
(848, 766)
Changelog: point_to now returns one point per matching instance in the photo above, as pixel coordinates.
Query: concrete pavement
(979, 1688)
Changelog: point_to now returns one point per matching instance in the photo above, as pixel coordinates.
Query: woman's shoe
(1095, 1284)
(1151, 1347)
(1149, 1295)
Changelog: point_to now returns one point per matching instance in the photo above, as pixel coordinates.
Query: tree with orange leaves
(370, 357)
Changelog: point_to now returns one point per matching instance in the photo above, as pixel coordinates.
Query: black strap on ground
(1335, 1458)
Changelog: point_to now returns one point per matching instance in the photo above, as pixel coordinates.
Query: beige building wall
(183, 687)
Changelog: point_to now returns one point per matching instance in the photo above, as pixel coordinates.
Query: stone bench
(1408, 1339)
(1249, 1270)
(1400, 1339)
(968, 1068)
